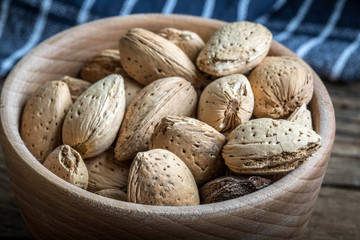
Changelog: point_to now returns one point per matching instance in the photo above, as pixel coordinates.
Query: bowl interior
(65, 54)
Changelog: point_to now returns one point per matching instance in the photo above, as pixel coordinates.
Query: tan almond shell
(92, 122)
(264, 145)
(76, 86)
(158, 177)
(167, 96)
(197, 144)
(235, 48)
(107, 173)
(147, 57)
(116, 194)
(301, 116)
(67, 164)
(106, 63)
(226, 102)
(190, 42)
(280, 85)
(101, 65)
(43, 117)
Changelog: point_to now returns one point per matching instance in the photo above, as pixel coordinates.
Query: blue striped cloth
(326, 33)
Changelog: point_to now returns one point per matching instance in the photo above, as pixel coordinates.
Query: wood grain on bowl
(54, 209)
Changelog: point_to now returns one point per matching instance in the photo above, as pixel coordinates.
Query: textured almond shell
(92, 123)
(76, 86)
(147, 57)
(67, 164)
(280, 85)
(301, 116)
(235, 48)
(167, 96)
(43, 117)
(105, 63)
(132, 88)
(226, 102)
(159, 177)
(106, 173)
(266, 145)
(190, 42)
(197, 144)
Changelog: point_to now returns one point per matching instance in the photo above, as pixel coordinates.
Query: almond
(159, 177)
(43, 117)
(92, 123)
(190, 42)
(102, 65)
(147, 57)
(268, 146)
(301, 116)
(280, 85)
(76, 86)
(132, 88)
(67, 164)
(106, 173)
(230, 187)
(235, 48)
(116, 194)
(167, 96)
(197, 144)
(226, 102)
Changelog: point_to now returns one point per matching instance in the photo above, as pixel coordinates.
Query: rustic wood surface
(337, 211)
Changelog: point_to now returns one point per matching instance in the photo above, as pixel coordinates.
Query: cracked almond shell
(280, 85)
(167, 96)
(226, 102)
(43, 118)
(159, 177)
(197, 144)
(146, 57)
(235, 48)
(269, 146)
(92, 122)
(67, 164)
(302, 116)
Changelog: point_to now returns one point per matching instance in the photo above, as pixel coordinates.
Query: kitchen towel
(326, 33)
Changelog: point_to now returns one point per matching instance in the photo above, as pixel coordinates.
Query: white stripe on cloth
(83, 14)
(334, 17)
(33, 40)
(276, 7)
(127, 7)
(343, 59)
(242, 10)
(169, 6)
(295, 22)
(3, 15)
(208, 9)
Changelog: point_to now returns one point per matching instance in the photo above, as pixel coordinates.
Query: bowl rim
(326, 131)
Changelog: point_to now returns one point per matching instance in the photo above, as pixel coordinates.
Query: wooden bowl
(55, 209)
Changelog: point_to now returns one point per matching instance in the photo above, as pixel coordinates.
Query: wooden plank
(336, 215)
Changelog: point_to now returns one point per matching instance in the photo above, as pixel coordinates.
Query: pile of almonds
(170, 120)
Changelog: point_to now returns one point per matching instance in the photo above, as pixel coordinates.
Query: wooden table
(337, 211)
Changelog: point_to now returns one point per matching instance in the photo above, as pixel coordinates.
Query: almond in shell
(302, 116)
(190, 42)
(226, 102)
(197, 144)
(235, 48)
(67, 164)
(92, 122)
(106, 173)
(167, 96)
(269, 146)
(43, 117)
(280, 85)
(147, 57)
(76, 86)
(159, 177)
